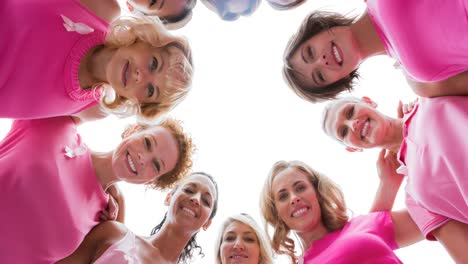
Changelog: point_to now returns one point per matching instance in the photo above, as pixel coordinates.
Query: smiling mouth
(239, 257)
(188, 212)
(300, 212)
(125, 74)
(131, 164)
(365, 129)
(337, 55)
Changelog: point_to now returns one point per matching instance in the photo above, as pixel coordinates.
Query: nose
(141, 75)
(356, 123)
(295, 200)
(195, 200)
(239, 244)
(324, 60)
(141, 159)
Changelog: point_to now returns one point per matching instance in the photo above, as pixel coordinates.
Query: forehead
(287, 178)
(202, 182)
(236, 226)
(332, 116)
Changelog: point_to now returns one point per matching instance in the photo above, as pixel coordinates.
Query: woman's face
(239, 244)
(222, 7)
(357, 125)
(326, 57)
(161, 8)
(191, 203)
(145, 155)
(139, 72)
(296, 201)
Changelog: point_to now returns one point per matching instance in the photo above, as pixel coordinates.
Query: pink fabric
(428, 37)
(40, 58)
(424, 219)
(49, 202)
(435, 155)
(122, 252)
(366, 239)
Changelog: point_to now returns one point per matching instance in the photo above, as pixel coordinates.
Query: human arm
(390, 181)
(455, 85)
(115, 209)
(108, 10)
(453, 235)
(96, 242)
(92, 113)
(406, 230)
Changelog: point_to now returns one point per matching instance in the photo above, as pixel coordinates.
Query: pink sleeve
(424, 219)
(384, 223)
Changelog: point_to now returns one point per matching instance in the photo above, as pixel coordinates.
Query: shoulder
(109, 231)
(108, 10)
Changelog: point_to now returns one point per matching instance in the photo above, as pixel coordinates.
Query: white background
(243, 118)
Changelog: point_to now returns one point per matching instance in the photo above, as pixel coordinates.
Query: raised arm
(92, 113)
(406, 230)
(108, 10)
(453, 235)
(390, 181)
(455, 85)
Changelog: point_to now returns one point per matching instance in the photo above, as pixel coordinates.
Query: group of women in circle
(59, 198)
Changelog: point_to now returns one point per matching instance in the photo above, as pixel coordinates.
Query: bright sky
(243, 118)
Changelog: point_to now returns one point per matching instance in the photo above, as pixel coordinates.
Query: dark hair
(314, 23)
(192, 244)
(282, 7)
(190, 4)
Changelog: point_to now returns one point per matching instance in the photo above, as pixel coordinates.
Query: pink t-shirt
(48, 201)
(123, 251)
(436, 157)
(40, 59)
(428, 37)
(366, 239)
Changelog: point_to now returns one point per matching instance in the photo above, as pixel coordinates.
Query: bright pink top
(40, 59)
(366, 239)
(123, 251)
(428, 37)
(435, 156)
(48, 201)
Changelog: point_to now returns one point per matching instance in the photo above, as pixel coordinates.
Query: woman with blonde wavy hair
(297, 198)
(241, 240)
(65, 60)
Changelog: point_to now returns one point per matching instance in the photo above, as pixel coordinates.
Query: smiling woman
(241, 240)
(192, 206)
(71, 181)
(89, 54)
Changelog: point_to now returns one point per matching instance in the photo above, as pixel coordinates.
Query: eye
(206, 202)
(152, 2)
(154, 64)
(156, 165)
(344, 132)
(188, 190)
(283, 196)
(150, 91)
(249, 239)
(300, 188)
(310, 54)
(230, 238)
(350, 112)
(320, 76)
(147, 143)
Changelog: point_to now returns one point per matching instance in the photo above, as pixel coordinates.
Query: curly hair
(185, 148)
(331, 200)
(266, 254)
(126, 31)
(315, 23)
(187, 254)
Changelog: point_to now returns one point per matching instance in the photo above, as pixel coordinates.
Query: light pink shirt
(48, 201)
(428, 37)
(435, 154)
(123, 251)
(366, 239)
(40, 59)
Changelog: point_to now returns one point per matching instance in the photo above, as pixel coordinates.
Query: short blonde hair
(185, 148)
(126, 31)
(266, 254)
(329, 195)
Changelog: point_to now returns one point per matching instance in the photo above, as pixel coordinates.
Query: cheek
(225, 247)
